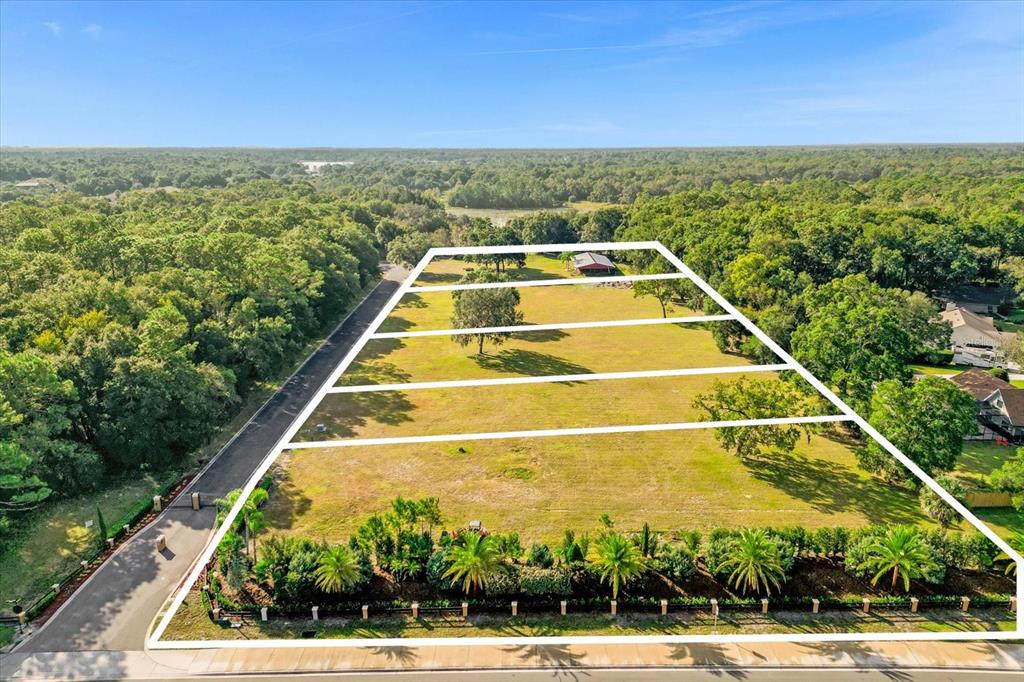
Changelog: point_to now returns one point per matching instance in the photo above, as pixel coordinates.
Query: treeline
(507, 178)
(131, 330)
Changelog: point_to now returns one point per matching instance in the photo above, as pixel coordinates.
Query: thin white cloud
(53, 26)
(93, 30)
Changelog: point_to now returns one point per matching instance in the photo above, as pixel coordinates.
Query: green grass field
(540, 486)
(540, 305)
(979, 459)
(565, 351)
(385, 414)
(975, 464)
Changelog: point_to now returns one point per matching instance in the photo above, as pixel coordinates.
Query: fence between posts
(124, 527)
(604, 606)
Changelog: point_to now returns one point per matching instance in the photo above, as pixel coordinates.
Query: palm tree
(617, 561)
(1017, 542)
(250, 517)
(338, 570)
(755, 560)
(903, 551)
(474, 559)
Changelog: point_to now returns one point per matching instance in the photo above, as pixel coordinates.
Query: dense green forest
(133, 320)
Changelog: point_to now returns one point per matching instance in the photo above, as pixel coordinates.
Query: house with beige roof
(975, 339)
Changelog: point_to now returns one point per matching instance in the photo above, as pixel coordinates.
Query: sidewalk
(857, 656)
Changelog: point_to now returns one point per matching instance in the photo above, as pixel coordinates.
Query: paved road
(112, 611)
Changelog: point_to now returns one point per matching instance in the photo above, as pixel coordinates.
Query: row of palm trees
(754, 561)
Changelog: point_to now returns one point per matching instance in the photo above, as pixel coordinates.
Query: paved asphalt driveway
(113, 610)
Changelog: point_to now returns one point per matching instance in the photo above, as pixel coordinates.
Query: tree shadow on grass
(378, 373)
(378, 348)
(832, 488)
(287, 501)
(343, 413)
(395, 324)
(541, 335)
(529, 363)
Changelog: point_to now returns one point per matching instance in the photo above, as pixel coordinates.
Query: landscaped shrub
(437, 565)
(716, 550)
(937, 508)
(797, 537)
(540, 556)
(573, 549)
(504, 582)
(972, 551)
(830, 541)
(676, 562)
(860, 552)
(689, 539)
(508, 545)
(545, 581)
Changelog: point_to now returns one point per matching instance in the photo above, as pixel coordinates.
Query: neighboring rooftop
(960, 317)
(979, 383)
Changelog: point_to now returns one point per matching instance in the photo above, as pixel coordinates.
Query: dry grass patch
(540, 486)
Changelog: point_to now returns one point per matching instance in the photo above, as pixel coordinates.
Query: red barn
(588, 263)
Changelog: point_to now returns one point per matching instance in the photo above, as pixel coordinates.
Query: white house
(975, 339)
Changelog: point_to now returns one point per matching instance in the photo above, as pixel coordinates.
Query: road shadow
(529, 363)
(560, 659)
(711, 656)
(861, 656)
(401, 655)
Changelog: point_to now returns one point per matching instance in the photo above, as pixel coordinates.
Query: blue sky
(467, 74)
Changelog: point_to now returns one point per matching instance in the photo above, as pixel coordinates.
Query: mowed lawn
(541, 486)
(540, 353)
(539, 305)
(979, 459)
(443, 270)
(518, 407)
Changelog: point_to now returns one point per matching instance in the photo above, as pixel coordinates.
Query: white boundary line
(692, 319)
(560, 378)
(547, 282)
(154, 641)
(547, 433)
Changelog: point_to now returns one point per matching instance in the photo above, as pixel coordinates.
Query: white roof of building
(589, 258)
